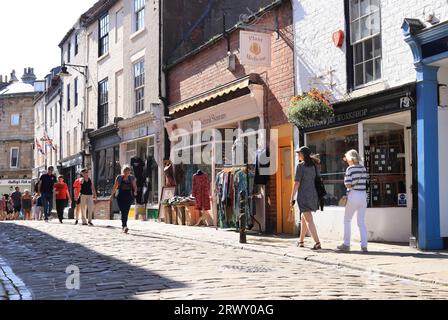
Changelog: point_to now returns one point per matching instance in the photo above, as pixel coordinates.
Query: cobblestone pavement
(144, 265)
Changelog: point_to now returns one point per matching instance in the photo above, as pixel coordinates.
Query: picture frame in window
(167, 193)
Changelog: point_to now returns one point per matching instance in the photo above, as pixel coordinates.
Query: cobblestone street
(150, 265)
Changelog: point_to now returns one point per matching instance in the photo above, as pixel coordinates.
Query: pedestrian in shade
(87, 196)
(356, 183)
(46, 184)
(27, 204)
(16, 199)
(62, 195)
(127, 191)
(77, 189)
(307, 196)
(37, 206)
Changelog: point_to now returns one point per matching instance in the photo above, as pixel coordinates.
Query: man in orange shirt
(62, 195)
(77, 188)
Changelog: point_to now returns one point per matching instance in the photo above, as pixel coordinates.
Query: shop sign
(402, 200)
(210, 119)
(255, 48)
(18, 182)
(137, 133)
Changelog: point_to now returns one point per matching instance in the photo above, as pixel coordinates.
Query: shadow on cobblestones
(41, 261)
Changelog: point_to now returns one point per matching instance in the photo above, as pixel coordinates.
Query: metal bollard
(242, 217)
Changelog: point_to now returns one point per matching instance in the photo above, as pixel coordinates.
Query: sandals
(317, 246)
(301, 244)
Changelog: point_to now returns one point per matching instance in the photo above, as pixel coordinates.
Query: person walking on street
(127, 191)
(77, 189)
(37, 206)
(46, 184)
(27, 204)
(307, 196)
(87, 196)
(62, 195)
(356, 183)
(16, 199)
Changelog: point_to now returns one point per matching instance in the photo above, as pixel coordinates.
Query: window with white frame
(139, 10)
(15, 119)
(76, 92)
(68, 144)
(103, 103)
(69, 50)
(139, 86)
(76, 44)
(103, 42)
(365, 39)
(68, 97)
(14, 158)
(55, 113)
(75, 139)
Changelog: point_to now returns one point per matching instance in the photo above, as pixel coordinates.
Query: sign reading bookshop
(255, 48)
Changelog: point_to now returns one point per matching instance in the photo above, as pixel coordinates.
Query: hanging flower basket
(310, 108)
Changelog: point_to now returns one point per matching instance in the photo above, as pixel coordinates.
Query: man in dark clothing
(16, 198)
(46, 184)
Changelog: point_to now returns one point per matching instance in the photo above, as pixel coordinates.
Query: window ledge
(137, 33)
(371, 87)
(103, 57)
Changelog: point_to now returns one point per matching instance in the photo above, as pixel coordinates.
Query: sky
(30, 31)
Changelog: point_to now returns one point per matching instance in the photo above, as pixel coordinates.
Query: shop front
(7, 186)
(106, 167)
(70, 168)
(141, 148)
(219, 134)
(381, 128)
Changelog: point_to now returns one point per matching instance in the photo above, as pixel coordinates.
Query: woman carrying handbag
(307, 194)
(356, 182)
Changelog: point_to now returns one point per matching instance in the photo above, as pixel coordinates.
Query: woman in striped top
(356, 182)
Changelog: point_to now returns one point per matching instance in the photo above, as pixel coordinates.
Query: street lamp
(64, 72)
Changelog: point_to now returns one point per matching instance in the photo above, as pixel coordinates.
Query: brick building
(212, 86)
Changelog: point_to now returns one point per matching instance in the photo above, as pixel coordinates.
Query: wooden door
(287, 175)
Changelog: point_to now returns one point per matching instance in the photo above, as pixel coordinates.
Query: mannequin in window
(138, 166)
(201, 193)
(169, 174)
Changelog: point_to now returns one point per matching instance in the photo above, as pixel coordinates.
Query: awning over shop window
(213, 94)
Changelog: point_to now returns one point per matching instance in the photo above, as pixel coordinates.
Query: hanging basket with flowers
(310, 108)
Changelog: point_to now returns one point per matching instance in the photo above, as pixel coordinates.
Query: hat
(304, 150)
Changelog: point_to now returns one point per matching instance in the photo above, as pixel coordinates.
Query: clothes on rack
(138, 166)
(169, 175)
(201, 191)
(229, 185)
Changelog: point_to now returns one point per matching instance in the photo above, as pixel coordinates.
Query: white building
(373, 80)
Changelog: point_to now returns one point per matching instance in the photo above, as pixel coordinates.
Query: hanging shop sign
(255, 48)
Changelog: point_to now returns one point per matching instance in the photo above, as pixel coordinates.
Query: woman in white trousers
(356, 182)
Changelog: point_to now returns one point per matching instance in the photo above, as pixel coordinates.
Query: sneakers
(343, 247)
(90, 224)
(125, 230)
(85, 224)
(364, 249)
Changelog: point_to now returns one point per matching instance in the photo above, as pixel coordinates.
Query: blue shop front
(429, 46)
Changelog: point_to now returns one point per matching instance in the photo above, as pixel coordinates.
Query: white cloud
(31, 30)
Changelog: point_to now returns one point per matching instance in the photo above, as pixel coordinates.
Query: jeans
(47, 202)
(357, 201)
(60, 206)
(125, 200)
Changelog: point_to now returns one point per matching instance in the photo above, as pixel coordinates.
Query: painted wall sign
(18, 182)
(255, 48)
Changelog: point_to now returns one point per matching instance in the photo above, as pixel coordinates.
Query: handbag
(343, 201)
(320, 188)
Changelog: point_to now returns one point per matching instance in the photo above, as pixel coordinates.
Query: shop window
(384, 154)
(107, 169)
(331, 146)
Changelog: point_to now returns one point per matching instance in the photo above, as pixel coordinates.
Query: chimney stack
(28, 76)
(13, 76)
